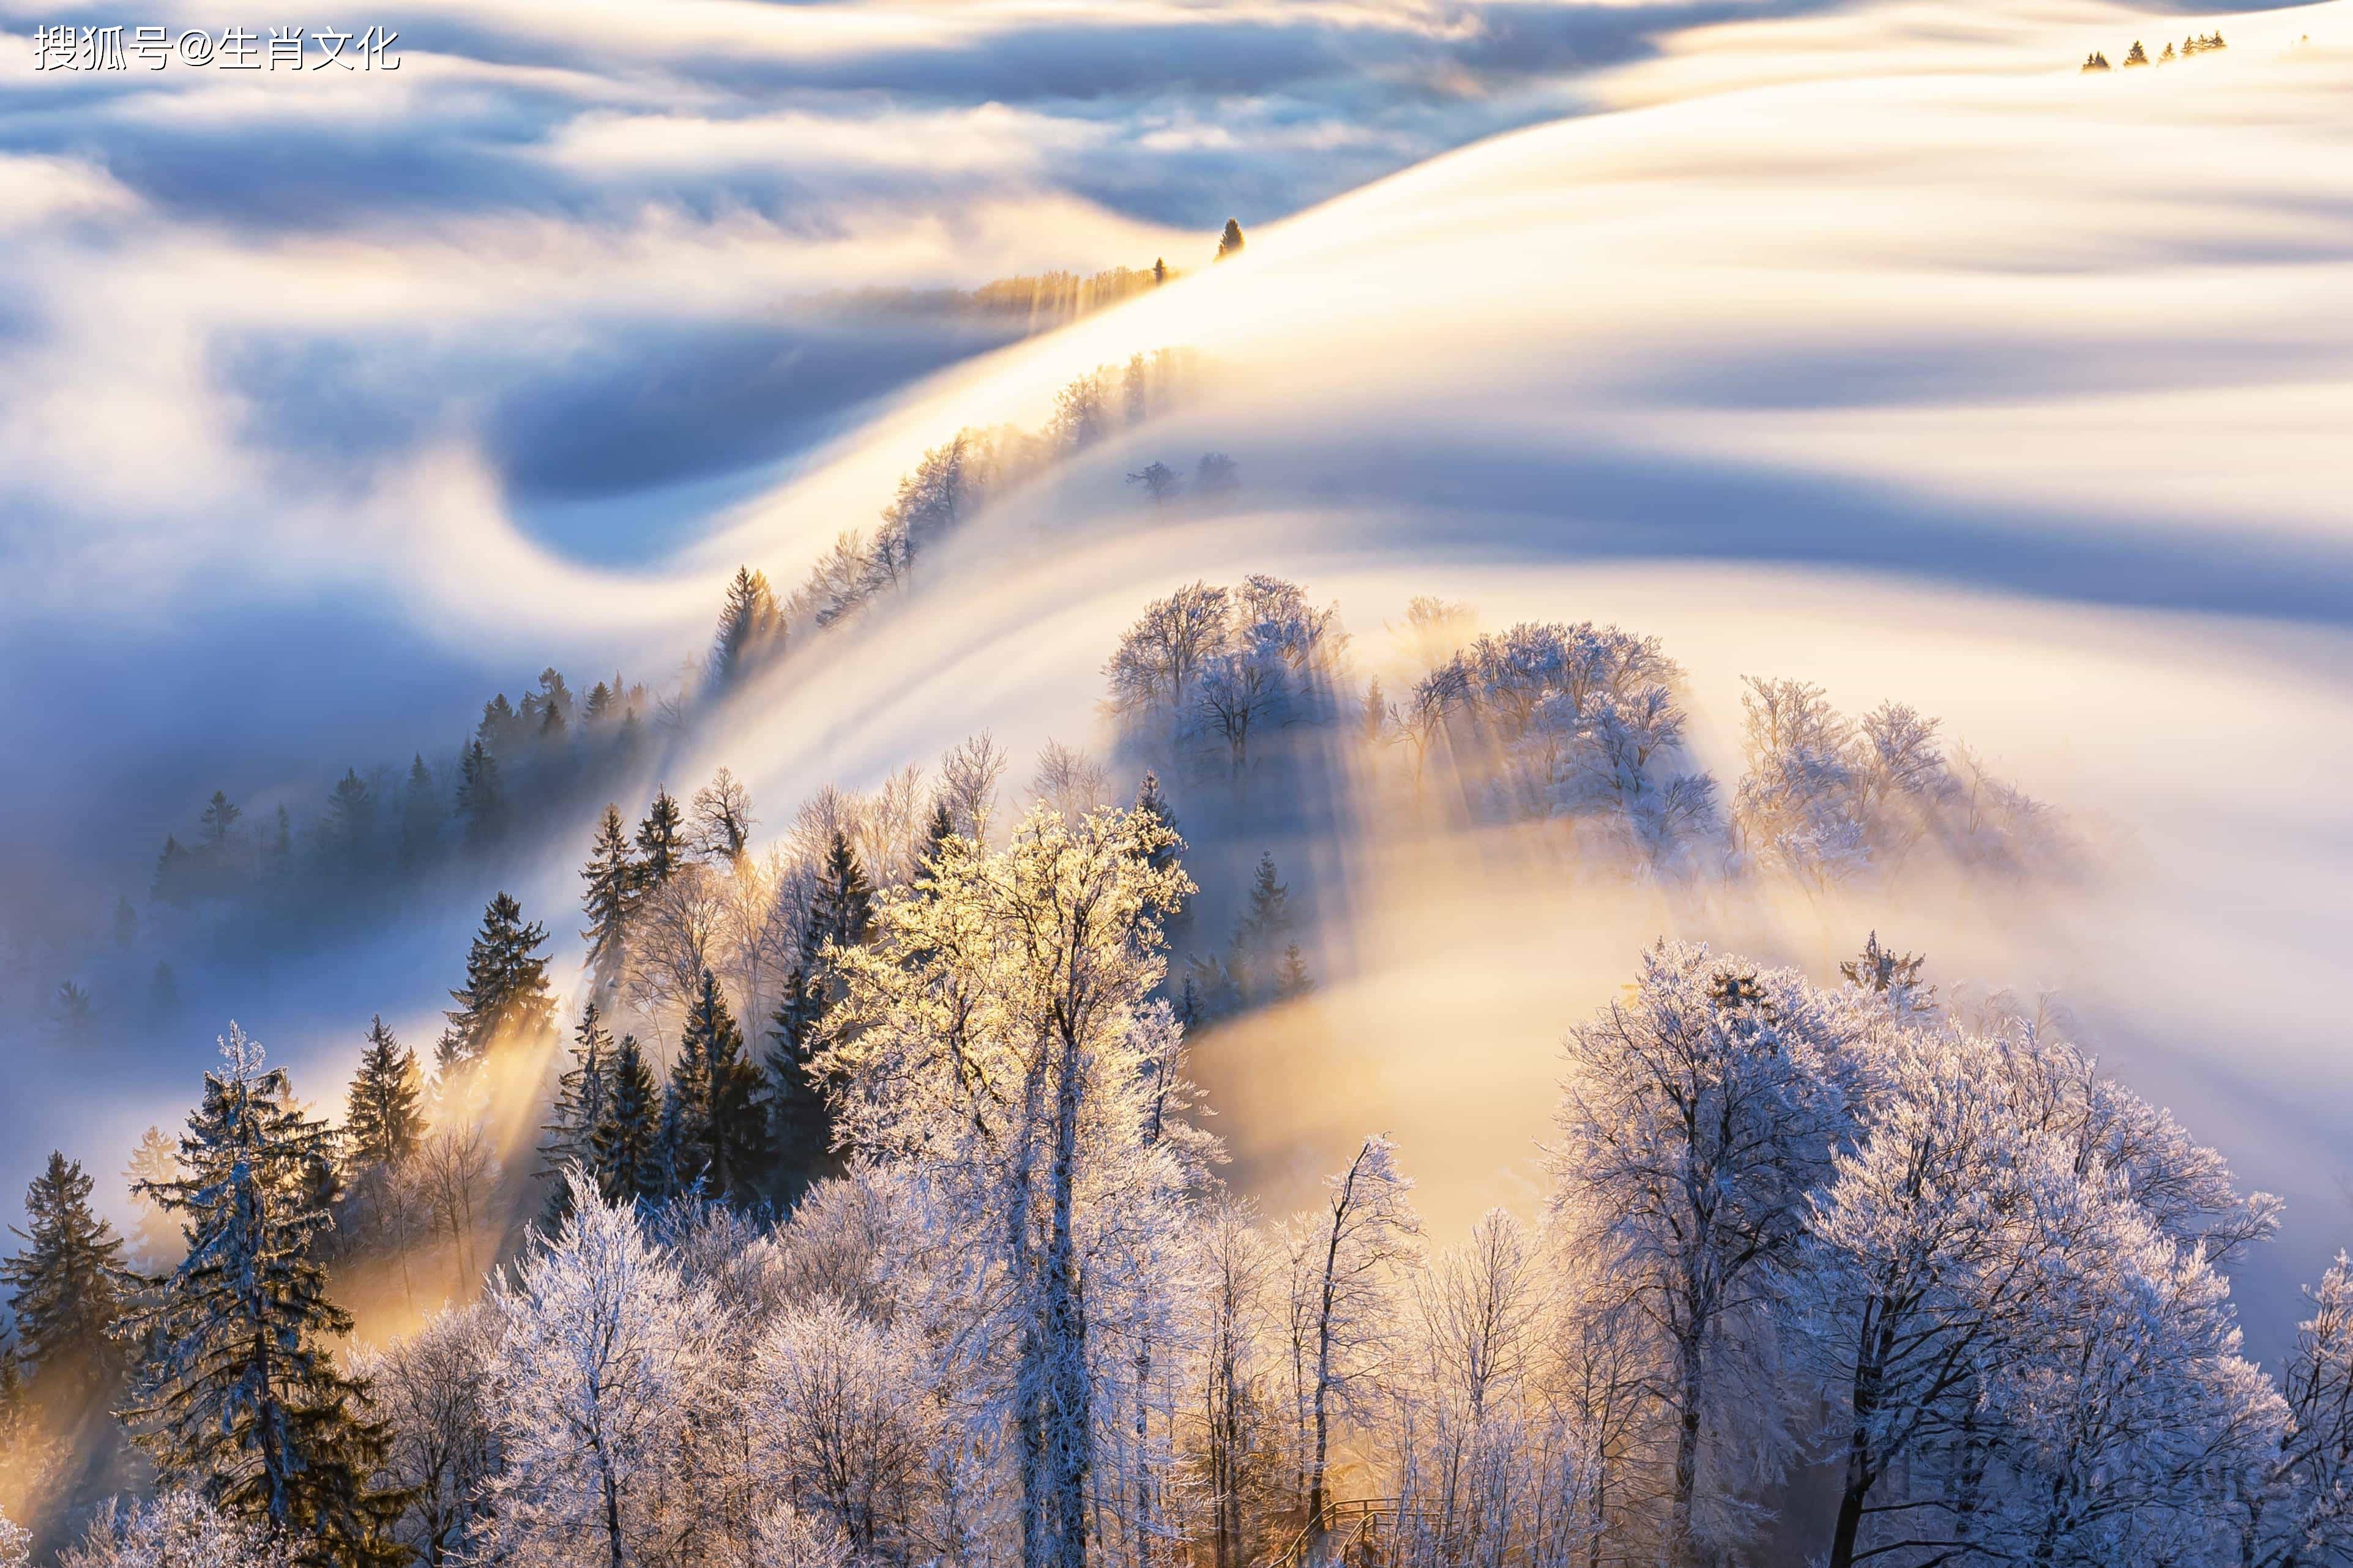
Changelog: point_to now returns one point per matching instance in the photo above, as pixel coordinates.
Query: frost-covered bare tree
(993, 1031)
(721, 821)
(1346, 1260)
(603, 1352)
(1069, 780)
(970, 771)
(174, 1529)
(1696, 1116)
(433, 1392)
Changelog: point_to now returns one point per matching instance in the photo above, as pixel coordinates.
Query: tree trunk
(1682, 1549)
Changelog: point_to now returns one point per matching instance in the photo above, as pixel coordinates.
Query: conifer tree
(155, 1239)
(382, 1121)
(220, 815)
(936, 832)
(351, 817)
(748, 625)
(661, 841)
(506, 993)
(69, 1287)
(1153, 804)
(240, 1392)
(1265, 925)
(799, 1113)
(1229, 243)
(725, 1123)
(842, 912)
(71, 1019)
(1291, 977)
(481, 801)
(171, 883)
(163, 991)
(623, 1148)
(418, 827)
(612, 878)
(583, 1100)
(126, 923)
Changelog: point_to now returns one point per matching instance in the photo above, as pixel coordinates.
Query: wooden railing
(1340, 1530)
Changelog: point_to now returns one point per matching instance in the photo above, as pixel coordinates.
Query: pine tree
(661, 841)
(1291, 978)
(220, 815)
(1152, 802)
(420, 826)
(842, 912)
(171, 883)
(155, 1239)
(1265, 924)
(381, 1122)
(612, 875)
(351, 817)
(798, 1110)
(551, 724)
(748, 625)
(71, 1019)
(240, 1392)
(623, 1146)
(481, 800)
(937, 831)
(1229, 244)
(163, 991)
(506, 993)
(724, 1129)
(70, 1286)
(582, 1100)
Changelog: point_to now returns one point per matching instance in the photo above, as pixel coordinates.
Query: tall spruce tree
(506, 995)
(727, 1137)
(842, 912)
(382, 1121)
(481, 797)
(749, 626)
(583, 1100)
(421, 829)
(624, 1148)
(661, 841)
(800, 1115)
(351, 820)
(1260, 936)
(69, 1287)
(239, 1393)
(612, 878)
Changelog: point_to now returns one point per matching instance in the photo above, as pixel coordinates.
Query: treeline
(1581, 726)
(386, 831)
(1923, 1254)
(2196, 43)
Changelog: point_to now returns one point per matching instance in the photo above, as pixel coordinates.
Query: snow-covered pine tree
(69, 1287)
(506, 998)
(584, 1096)
(383, 1118)
(612, 875)
(661, 841)
(624, 1148)
(239, 1393)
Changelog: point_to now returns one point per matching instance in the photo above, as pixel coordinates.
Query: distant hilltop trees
(2197, 44)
